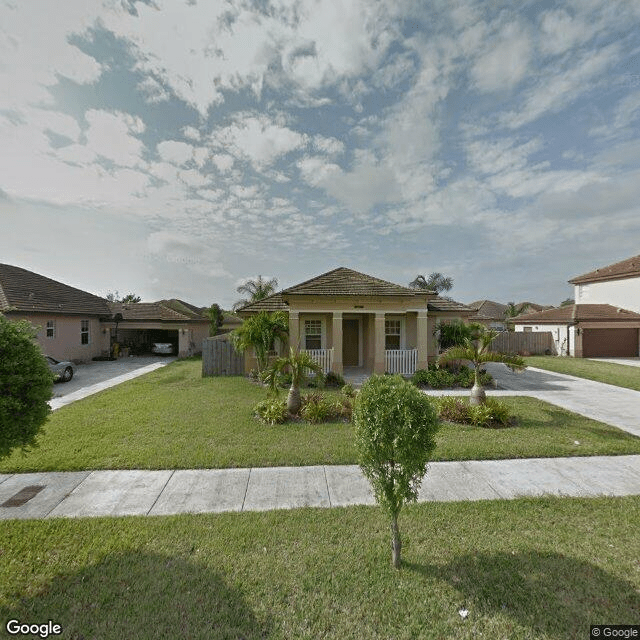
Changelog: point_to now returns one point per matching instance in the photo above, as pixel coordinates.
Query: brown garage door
(609, 342)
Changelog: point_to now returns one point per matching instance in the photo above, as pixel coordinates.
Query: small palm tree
(476, 349)
(513, 310)
(300, 365)
(259, 332)
(257, 289)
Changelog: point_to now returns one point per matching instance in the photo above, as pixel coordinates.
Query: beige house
(69, 320)
(351, 321)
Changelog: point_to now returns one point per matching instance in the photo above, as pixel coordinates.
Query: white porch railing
(324, 357)
(403, 361)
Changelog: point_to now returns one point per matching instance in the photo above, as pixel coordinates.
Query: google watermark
(615, 631)
(43, 629)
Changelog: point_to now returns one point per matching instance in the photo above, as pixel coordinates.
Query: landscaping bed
(542, 569)
(173, 418)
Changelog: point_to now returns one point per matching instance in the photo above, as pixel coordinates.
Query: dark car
(62, 369)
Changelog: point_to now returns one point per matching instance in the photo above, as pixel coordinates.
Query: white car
(162, 348)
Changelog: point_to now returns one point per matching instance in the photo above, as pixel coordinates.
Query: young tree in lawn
(395, 426)
(25, 386)
(259, 332)
(477, 349)
(300, 365)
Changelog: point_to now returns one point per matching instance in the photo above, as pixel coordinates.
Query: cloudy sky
(175, 147)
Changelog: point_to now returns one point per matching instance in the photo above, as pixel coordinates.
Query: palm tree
(256, 289)
(476, 349)
(513, 310)
(300, 364)
(259, 332)
(436, 282)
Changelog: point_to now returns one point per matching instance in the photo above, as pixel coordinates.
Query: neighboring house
(489, 313)
(141, 324)
(345, 318)
(69, 320)
(587, 330)
(617, 284)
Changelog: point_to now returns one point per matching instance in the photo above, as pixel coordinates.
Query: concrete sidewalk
(122, 493)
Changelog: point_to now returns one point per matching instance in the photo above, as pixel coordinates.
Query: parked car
(162, 348)
(62, 369)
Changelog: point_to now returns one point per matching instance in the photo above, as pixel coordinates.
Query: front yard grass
(174, 419)
(542, 569)
(620, 375)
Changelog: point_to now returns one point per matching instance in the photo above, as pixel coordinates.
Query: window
(51, 328)
(313, 334)
(84, 332)
(392, 334)
(528, 329)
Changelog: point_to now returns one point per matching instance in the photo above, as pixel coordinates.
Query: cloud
(257, 139)
(112, 135)
(175, 152)
(505, 63)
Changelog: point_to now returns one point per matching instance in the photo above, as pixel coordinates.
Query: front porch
(402, 361)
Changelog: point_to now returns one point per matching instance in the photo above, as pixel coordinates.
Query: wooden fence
(534, 342)
(219, 358)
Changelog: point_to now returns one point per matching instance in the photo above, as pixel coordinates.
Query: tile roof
(272, 303)
(629, 268)
(487, 310)
(577, 313)
(347, 282)
(26, 291)
(162, 310)
(446, 304)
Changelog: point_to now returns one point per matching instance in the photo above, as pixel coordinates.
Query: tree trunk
(478, 396)
(293, 400)
(396, 544)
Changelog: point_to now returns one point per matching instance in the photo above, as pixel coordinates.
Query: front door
(350, 344)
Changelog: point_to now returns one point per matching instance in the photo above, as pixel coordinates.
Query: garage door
(609, 342)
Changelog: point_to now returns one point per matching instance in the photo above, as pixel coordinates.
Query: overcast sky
(174, 148)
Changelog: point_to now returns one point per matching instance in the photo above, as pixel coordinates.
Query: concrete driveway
(630, 362)
(607, 403)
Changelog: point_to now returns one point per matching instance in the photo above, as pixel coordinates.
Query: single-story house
(489, 313)
(587, 330)
(347, 319)
(69, 320)
(138, 325)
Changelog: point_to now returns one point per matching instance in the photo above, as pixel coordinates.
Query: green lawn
(524, 569)
(174, 419)
(620, 375)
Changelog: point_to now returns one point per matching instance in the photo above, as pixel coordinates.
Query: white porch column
(378, 343)
(294, 332)
(337, 366)
(422, 335)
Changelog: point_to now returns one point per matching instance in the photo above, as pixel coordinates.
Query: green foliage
(316, 408)
(259, 332)
(333, 379)
(348, 390)
(436, 377)
(256, 289)
(271, 411)
(395, 427)
(452, 334)
(130, 298)
(25, 386)
(493, 414)
(435, 282)
(216, 317)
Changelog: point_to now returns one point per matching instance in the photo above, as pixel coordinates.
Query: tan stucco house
(69, 320)
(605, 319)
(347, 320)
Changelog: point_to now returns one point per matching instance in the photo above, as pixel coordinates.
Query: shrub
(453, 409)
(333, 379)
(25, 386)
(491, 415)
(272, 411)
(395, 427)
(348, 390)
(452, 334)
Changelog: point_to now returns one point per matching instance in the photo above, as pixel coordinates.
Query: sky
(175, 148)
